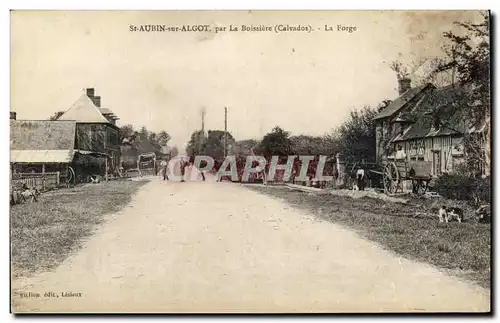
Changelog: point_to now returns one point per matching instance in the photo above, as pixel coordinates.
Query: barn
(42, 147)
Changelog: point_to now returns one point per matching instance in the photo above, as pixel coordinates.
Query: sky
(307, 83)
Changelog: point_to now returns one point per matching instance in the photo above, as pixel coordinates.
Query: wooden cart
(395, 172)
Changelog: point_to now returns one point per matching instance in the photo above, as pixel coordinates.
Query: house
(97, 136)
(425, 123)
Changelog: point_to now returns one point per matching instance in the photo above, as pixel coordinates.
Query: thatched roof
(42, 141)
(42, 135)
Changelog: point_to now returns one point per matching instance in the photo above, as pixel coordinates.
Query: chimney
(404, 85)
(90, 92)
(97, 101)
(13, 115)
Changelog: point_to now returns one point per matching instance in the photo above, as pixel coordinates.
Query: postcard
(250, 162)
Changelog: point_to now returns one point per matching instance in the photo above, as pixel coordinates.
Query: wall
(449, 149)
(90, 137)
(102, 138)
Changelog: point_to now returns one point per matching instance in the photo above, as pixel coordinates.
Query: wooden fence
(40, 181)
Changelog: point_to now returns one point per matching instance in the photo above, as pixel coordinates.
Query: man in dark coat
(184, 164)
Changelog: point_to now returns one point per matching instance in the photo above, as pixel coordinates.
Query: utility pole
(225, 132)
(201, 136)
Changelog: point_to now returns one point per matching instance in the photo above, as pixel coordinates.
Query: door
(436, 162)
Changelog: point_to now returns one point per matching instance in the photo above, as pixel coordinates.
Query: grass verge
(461, 249)
(45, 232)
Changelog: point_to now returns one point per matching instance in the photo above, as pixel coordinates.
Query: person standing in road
(164, 168)
(184, 164)
(203, 164)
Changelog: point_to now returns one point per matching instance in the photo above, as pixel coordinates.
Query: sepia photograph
(250, 162)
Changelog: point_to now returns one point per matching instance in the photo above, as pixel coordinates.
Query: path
(219, 247)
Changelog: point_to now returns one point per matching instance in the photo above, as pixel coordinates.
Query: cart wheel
(71, 176)
(390, 178)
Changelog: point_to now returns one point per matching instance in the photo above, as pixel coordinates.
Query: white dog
(442, 214)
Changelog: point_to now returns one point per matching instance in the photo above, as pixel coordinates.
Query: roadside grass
(462, 249)
(44, 233)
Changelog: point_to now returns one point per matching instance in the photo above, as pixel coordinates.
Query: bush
(462, 187)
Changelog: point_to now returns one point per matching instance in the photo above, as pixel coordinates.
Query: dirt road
(219, 247)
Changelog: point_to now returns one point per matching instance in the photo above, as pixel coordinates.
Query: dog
(455, 213)
(483, 214)
(442, 214)
(447, 214)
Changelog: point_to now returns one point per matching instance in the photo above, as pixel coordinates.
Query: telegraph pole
(225, 132)
(201, 137)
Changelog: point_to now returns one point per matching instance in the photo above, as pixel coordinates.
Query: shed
(41, 143)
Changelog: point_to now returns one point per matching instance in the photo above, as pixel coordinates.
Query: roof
(401, 101)
(42, 135)
(41, 156)
(85, 110)
(108, 113)
(438, 102)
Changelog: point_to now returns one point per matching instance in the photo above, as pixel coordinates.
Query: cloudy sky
(305, 82)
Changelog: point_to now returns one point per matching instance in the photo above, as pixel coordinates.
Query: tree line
(151, 140)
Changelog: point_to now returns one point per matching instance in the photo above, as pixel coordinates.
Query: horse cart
(143, 164)
(395, 172)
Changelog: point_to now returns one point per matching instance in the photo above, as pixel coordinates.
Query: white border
(187, 5)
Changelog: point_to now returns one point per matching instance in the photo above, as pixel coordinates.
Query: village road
(220, 247)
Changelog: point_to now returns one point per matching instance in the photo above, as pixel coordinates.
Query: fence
(40, 181)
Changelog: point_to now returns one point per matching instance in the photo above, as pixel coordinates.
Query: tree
(152, 138)
(163, 138)
(277, 142)
(468, 58)
(314, 145)
(194, 145)
(244, 148)
(210, 145)
(400, 69)
(357, 135)
(331, 143)
(143, 134)
(56, 115)
(126, 131)
(213, 145)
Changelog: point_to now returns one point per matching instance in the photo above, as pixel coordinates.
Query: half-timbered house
(426, 124)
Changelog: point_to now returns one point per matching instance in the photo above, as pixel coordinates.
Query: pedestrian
(203, 164)
(360, 177)
(184, 164)
(164, 168)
